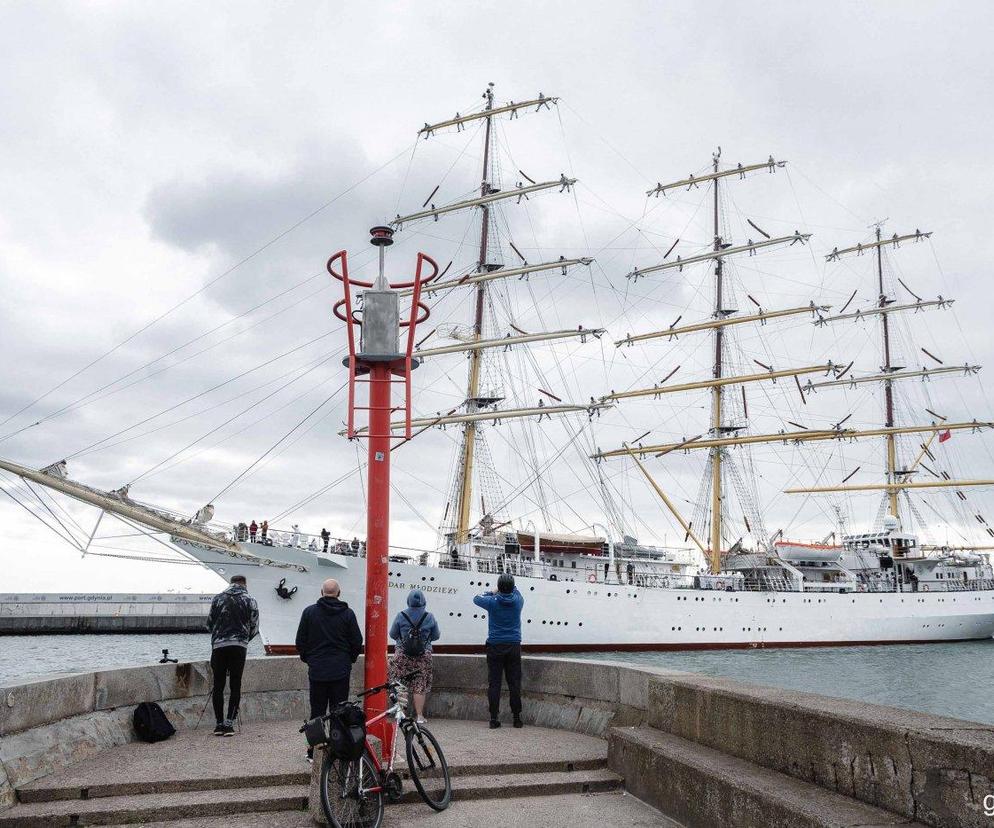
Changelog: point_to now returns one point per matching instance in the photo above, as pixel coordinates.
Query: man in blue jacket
(328, 642)
(503, 645)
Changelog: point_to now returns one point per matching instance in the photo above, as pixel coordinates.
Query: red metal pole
(377, 543)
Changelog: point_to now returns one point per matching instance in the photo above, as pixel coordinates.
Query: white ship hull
(570, 616)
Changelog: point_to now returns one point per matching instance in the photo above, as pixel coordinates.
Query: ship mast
(473, 388)
(480, 403)
(716, 392)
(892, 494)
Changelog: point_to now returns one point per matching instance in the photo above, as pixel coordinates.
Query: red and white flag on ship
(944, 435)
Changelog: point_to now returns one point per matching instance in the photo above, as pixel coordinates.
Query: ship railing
(496, 565)
(298, 540)
(973, 585)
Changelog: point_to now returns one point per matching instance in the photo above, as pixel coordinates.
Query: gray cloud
(144, 152)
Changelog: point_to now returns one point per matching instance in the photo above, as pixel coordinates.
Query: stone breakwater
(43, 614)
(704, 750)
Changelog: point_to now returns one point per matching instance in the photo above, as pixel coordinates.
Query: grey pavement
(604, 810)
(529, 776)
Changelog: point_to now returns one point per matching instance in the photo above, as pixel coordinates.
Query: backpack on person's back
(412, 643)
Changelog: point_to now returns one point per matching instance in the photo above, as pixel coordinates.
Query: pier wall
(934, 770)
(44, 614)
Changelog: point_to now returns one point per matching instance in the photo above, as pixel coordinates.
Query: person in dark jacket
(503, 645)
(414, 629)
(233, 621)
(328, 642)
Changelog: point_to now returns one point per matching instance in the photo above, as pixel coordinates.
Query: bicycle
(352, 791)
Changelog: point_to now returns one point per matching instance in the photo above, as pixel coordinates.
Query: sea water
(946, 679)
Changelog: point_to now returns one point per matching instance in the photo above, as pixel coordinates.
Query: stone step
(549, 783)
(700, 786)
(119, 810)
(613, 808)
(54, 792)
(175, 805)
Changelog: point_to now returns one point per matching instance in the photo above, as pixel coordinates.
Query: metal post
(377, 543)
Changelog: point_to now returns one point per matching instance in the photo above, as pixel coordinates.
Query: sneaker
(309, 758)
(219, 729)
(494, 724)
(518, 722)
(422, 720)
(228, 728)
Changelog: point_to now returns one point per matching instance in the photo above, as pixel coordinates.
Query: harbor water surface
(946, 679)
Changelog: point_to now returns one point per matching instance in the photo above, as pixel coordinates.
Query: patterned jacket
(234, 618)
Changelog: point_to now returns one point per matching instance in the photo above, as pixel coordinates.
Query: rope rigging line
(70, 539)
(94, 446)
(262, 456)
(92, 397)
(226, 422)
(306, 367)
(209, 284)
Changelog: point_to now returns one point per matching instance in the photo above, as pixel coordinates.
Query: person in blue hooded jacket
(503, 645)
(413, 630)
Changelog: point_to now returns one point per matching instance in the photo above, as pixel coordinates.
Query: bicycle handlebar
(389, 685)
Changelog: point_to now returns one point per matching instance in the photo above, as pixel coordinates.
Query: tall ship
(730, 580)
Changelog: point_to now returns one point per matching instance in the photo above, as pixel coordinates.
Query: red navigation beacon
(379, 364)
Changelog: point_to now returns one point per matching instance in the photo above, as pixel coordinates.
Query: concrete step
(699, 786)
(136, 806)
(564, 811)
(504, 785)
(119, 810)
(55, 792)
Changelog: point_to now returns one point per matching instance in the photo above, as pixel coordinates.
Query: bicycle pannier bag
(347, 731)
(315, 733)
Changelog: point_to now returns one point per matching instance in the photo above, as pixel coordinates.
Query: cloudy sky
(196, 165)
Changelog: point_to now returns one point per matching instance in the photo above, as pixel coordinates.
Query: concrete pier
(49, 613)
(604, 744)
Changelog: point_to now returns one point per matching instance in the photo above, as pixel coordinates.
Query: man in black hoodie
(328, 642)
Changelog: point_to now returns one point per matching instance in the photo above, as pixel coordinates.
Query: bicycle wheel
(428, 768)
(345, 796)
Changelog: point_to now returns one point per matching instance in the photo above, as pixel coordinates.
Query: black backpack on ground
(151, 723)
(411, 642)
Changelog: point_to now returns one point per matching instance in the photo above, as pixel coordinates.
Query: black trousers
(504, 660)
(326, 694)
(228, 664)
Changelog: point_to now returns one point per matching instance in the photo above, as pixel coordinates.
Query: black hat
(505, 584)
